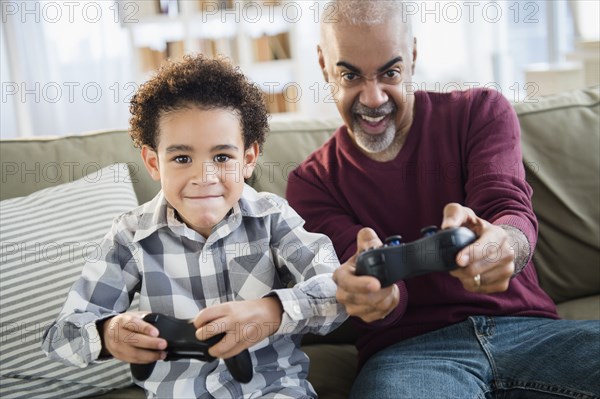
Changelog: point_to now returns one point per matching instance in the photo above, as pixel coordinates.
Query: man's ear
(322, 63)
(414, 55)
(250, 158)
(150, 158)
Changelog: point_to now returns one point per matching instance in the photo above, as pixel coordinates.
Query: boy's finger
(210, 314)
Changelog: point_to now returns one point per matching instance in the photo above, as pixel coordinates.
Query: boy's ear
(150, 158)
(250, 158)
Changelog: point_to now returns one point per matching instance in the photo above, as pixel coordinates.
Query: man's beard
(374, 142)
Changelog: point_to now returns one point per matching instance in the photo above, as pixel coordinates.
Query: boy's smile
(201, 163)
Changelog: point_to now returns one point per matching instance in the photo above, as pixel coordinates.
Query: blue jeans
(489, 357)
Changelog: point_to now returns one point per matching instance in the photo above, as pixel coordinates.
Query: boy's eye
(182, 159)
(221, 158)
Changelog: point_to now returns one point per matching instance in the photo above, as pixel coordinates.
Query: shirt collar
(158, 213)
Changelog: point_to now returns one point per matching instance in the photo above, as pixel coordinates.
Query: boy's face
(201, 164)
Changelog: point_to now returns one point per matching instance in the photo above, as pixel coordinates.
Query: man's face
(370, 68)
(201, 164)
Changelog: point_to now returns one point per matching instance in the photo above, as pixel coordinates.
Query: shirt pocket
(252, 273)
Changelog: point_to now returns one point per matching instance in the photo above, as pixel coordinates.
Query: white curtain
(66, 68)
(490, 43)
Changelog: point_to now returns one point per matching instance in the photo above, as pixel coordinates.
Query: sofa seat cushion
(587, 308)
(332, 369)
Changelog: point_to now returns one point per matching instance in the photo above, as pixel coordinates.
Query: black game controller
(436, 252)
(183, 344)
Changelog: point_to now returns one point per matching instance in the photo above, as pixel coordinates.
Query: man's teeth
(372, 120)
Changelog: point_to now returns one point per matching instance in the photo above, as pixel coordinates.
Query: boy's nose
(206, 173)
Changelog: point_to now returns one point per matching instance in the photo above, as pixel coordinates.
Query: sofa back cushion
(289, 142)
(561, 151)
(29, 165)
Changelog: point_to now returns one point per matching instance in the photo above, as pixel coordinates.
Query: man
(406, 159)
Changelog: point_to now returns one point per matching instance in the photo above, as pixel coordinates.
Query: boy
(207, 247)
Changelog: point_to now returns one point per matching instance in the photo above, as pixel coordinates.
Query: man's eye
(221, 158)
(392, 74)
(349, 76)
(182, 159)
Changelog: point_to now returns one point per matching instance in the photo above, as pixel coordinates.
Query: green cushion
(29, 165)
(561, 147)
(288, 144)
(587, 308)
(332, 369)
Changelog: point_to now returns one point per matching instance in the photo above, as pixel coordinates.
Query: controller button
(429, 230)
(393, 240)
(375, 260)
(151, 317)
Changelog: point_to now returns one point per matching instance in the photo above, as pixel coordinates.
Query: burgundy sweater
(462, 147)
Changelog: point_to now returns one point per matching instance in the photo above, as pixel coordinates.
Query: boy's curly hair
(202, 82)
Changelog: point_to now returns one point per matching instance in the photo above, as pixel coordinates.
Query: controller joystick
(393, 240)
(435, 252)
(429, 231)
(183, 344)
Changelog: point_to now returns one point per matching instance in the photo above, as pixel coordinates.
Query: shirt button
(296, 309)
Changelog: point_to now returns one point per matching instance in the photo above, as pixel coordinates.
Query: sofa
(561, 147)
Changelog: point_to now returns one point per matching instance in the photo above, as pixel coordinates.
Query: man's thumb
(367, 238)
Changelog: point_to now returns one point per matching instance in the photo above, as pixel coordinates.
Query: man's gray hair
(366, 12)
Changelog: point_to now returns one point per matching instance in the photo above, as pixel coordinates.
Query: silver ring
(477, 280)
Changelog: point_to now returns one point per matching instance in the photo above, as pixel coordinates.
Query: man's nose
(372, 94)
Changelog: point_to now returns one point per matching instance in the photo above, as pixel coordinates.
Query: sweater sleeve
(310, 197)
(496, 188)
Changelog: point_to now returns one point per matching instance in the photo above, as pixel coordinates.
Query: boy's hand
(245, 323)
(129, 338)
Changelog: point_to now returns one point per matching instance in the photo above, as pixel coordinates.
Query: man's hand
(129, 338)
(245, 323)
(486, 265)
(362, 295)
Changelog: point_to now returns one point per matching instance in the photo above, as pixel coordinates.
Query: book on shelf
(169, 7)
(272, 47)
(223, 46)
(212, 5)
(280, 102)
(175, 50)
(151, 59)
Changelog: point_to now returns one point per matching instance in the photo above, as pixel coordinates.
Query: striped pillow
(45, 240)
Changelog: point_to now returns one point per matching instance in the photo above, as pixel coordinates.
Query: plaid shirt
(259, 249)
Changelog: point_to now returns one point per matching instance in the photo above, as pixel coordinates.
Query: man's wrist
(520, 245)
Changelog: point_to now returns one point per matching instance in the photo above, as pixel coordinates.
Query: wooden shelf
(168, 29)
